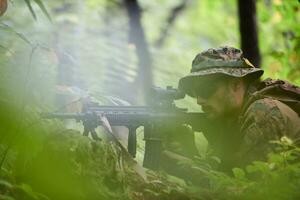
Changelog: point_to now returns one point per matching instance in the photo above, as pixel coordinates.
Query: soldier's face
(224, 101)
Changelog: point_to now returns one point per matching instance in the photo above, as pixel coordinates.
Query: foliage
(277, 178)
(40, 4)
(71, 166)
(43, 160)
(280, 48)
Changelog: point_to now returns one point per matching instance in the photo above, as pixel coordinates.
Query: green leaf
(43, 8)
(30, 8)
(238, 173)
(276, 158)
(11, 29)
(6, 197)
(216, 159)
(5, 184)
(258, 166)
(25, 190)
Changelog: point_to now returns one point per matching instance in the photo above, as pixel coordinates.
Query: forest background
(114, 51)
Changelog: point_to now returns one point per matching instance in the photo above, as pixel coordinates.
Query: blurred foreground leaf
(42, 7)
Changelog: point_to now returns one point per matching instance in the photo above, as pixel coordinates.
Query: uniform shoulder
(263, 116)
(261, 108)
(261, 123)
(269, 106)
(271, 115)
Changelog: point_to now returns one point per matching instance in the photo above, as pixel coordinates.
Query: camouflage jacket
(240, 141)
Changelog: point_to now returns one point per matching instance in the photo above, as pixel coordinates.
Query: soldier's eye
(205, 91)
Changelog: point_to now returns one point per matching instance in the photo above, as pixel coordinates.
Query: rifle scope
(169, 94)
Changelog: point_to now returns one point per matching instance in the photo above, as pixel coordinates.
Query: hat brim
(186, 83)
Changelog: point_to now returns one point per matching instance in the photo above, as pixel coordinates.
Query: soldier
(244, 113)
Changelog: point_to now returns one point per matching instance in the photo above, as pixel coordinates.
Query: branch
(170, 22)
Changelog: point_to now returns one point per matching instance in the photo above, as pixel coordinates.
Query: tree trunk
(137, 38)
(248, 31)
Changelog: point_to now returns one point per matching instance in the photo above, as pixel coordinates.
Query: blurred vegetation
(86, 43)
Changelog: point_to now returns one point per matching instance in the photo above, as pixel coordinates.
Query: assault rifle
(160, 113)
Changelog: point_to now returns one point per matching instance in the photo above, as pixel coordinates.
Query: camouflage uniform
(263, 118)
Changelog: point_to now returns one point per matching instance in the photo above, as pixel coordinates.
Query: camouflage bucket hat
(225, 61)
